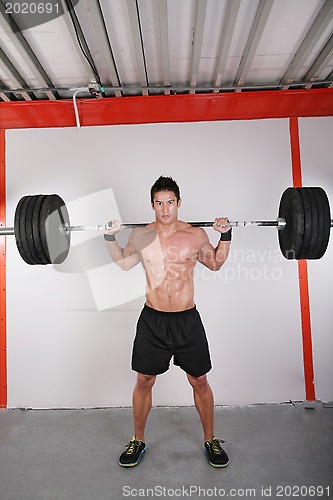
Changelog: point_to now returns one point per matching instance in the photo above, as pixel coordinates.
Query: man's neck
(167, 229)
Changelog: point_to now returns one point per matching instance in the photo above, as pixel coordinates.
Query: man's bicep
(130, 256)
(206, 254)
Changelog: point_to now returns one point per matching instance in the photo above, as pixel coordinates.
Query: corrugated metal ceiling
(144, 47)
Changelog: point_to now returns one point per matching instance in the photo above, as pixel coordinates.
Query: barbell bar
(43, 232)
(279, 223)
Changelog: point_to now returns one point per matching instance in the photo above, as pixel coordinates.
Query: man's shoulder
(141, 236)
(195, 231)
(141, 229)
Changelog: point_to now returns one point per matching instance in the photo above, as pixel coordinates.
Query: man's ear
(179, 202)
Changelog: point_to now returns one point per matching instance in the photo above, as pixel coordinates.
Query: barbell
(43, 232)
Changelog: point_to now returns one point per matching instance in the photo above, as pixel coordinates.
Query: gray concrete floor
(276, 451)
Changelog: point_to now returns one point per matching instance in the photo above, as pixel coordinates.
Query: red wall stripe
(303, 274)
(168, 108)
(295, 153)
(3, 329)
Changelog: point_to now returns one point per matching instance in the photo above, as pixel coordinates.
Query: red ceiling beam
(168, 108)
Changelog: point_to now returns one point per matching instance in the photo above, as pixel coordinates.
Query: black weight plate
(291, 209)
(17, 224)
(58, 239)
(53, 218)
(317, 224)
(321, 223)
(324, 215)
(36, 230)
(44, 213)
(29, 236)
(23, 233)
(311, 227)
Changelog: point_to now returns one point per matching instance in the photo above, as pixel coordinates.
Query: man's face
(166, 207)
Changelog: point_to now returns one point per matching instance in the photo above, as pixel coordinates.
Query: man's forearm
(222, 249)
(116, 252)
(221, 253)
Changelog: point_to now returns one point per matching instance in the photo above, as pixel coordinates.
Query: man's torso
(169, 263)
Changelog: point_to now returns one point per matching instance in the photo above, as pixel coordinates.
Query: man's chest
(179, 249)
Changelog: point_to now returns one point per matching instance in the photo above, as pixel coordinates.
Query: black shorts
(161, 335)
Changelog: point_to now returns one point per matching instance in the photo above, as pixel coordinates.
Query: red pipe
(303, 274)
(3, 329)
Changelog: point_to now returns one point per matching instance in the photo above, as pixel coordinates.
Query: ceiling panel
(118, 25)
(69, 69)
(151, 39)
(121, 48)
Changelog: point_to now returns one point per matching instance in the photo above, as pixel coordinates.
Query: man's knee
(198, 383)
(145, 382)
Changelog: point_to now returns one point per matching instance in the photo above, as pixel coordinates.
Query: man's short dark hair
(165, 184)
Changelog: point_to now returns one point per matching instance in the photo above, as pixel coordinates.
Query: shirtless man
(169, 324)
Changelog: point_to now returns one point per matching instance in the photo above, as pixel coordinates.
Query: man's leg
(204, 403)
(142, 403)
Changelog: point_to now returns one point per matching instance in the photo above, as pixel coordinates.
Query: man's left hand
(220, 225)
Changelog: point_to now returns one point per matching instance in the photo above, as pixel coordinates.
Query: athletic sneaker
(133, 453)
(216, 455)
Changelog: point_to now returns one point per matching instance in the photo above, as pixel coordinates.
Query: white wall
(71, 327)
(317, 165)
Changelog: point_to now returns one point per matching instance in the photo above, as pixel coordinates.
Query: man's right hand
(114, 226)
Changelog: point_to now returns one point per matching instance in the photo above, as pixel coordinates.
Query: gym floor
(277, 451)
